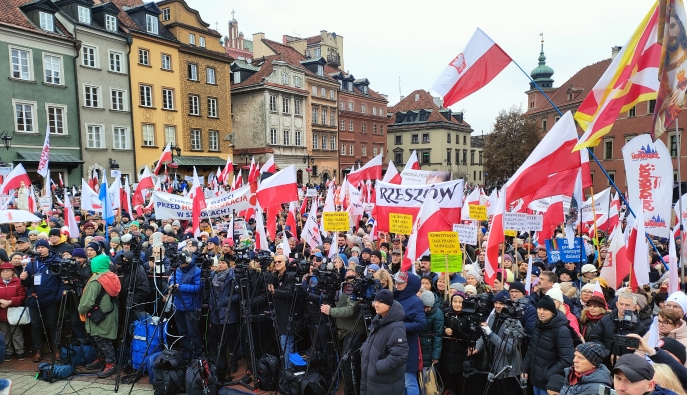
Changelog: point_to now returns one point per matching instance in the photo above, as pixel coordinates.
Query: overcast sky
(413, 41)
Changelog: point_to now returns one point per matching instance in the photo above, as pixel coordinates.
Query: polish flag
(429, 219)
(673, 275)
(599, 292)
(126, 202)
(89, 198)
(304, 206)
(279, 188)
(59, 175)
(491, 202)
(613, 214)
(33, 206)
(553, 217)
(413, 163)
(286, 248)
(198, 203)
(371, 171)
(144, 183)
(329, 206)
(553, 154)
(272, 221)
(238, 183)
(228, 169)
(291, 217)
(164, 158)
(496, 236)
(472, 198)
(14, 179)
(253, 172)
(115, 196)
(69, 219)
(94, 182)
(480, 61)
(392, 176)
(269, 166)
(638, 252)
(311, 230)
(260, 236)
(45, 155)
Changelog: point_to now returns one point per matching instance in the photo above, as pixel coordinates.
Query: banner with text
(466, 233)
(169, 206)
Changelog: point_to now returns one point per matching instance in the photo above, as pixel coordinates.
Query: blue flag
(104, 196)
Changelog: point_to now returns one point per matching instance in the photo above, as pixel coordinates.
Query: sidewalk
(24, 382)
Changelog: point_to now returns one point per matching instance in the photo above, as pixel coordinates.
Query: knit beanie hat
(592, 352)
(471, 289)
(547, 303)
(674, 347)
(385, 296)
(502, 296)
(42, 243)
(97, 247)
(555, 293)
(427, 298)
(588, 287)
(680, 298)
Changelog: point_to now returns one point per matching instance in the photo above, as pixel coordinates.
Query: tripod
(247, 319)
(136, 261)
(58, 330)
(510, 341)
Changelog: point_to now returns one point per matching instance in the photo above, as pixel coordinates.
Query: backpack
(267, 373)
(168, 382)
(170, 360)
(46, 372)
(78, 355)
(149, 365)
(144, 333)
(300, 384)
(201, 378)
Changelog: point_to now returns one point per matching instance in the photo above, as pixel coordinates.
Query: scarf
(219, 278)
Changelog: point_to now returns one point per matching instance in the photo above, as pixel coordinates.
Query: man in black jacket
(282, 288)
(621, 321)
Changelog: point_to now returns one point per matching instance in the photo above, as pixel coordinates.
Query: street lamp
(6, 139)
(307, 159)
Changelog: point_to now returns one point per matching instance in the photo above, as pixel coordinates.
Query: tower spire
(542, 73)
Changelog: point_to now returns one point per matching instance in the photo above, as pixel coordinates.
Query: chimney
(402, 97)
(615, 51)
(438, 101)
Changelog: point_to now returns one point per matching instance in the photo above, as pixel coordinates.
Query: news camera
(513, 309)
(177, 258)
(67, 270)
(363, 289)
(477, 308)
(299, 266)
(325, 282)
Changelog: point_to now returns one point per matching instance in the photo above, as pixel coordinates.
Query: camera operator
(621, 321)
(495, 332)
(407, 285)
(529, 316)
(46, 292)
(281, 286)
(85, 273)
(185, 286)
(59, 243)
(311, 288)
(224, 306)
(122, 268)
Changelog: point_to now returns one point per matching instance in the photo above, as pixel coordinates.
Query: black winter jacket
(284, 287)
(454, 349)
(550, 351)
(605, 330)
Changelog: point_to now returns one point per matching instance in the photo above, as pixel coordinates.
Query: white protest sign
(515, 221)
(466, 233)
(414, 177)
(169, 206)
(534, 222)
(45, 203)
(311, 192)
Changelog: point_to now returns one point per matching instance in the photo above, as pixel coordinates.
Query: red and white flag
(33, 206)
(496, 236)
(291, 218)
(472, 198)
(69, 218)
(14, 179)
(90, 200)
(238, 182)
(429, 219)
(228, 169)
(253, 172)
(304, 206)
(371, 171)
(480, 61)
(413, 163)
(59, 177)
(311, 230)
(286, 248)
(164, 158)
(280, 188)
(638, 251)
(673, 275)
(329, 206)
(269, 166)
(260, 234)
(144, 183)
(45, 155)
(126, 202)
(392, 176)
(198, 202)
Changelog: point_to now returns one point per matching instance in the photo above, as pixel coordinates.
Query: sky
(412, 42)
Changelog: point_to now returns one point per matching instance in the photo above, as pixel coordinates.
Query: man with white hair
(621, 321)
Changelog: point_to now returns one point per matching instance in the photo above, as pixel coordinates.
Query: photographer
(45, 290)
(281, 286)
(185, 288)
(85, 273)
(407, 285)
(224, 306)
(351, 335)
(122, 268)
(318, 287)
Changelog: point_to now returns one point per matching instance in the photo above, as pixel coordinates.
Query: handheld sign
(478, 212)
(336, 222)
(400, 223)
(444, 243)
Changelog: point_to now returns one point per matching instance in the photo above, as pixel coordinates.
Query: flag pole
(679, 187)
(596, 234)
(591, 154)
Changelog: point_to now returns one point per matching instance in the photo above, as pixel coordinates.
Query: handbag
(18, 315)
(430, 381)
(96, 314)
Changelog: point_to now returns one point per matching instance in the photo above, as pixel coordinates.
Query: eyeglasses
(665, 323)
(278, 261)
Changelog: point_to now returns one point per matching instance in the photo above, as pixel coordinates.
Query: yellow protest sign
(439, 263)
(334, 222)
(444, 243)
(510, 232)
(478, 212)
(400, 223)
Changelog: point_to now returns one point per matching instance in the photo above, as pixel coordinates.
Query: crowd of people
(558, 336)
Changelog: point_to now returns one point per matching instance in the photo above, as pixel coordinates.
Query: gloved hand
(486, 329)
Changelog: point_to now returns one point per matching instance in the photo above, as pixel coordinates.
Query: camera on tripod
(67, 269)
(326, 282)
(177, 258)
(476, 309)
(204, 261)
(299, 266)
(513, 309)
(364, 289)
(264, 258)
(241, 256)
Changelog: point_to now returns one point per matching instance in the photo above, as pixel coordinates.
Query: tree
(511, 141)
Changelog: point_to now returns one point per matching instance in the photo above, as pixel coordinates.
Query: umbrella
(9, 216)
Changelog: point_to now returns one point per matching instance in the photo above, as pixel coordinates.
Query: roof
(333, 71)
(11, 14)
(580, 85)
(123, 16)
(54, 157)
(425, 102)
(314, 39)
(242, 64)
(199, 161)
(289, 55)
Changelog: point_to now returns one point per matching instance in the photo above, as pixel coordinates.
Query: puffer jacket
(284, 287)
(511, 348)
(430, 338)
(189, 296)
(550, 351)
(454, 348)
(587, 384)
(224, 296)
(384, 354)
(50, 289)
(15, 293)
(414, 319)
(605, 330)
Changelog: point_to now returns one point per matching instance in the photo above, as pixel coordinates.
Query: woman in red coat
(12, 294)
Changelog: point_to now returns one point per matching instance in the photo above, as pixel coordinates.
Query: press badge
(37, 279)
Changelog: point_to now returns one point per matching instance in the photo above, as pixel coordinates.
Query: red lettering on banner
(647, 183)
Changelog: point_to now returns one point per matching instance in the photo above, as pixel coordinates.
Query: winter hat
(427, 298)
(674, 347)
(598, 300)
(588, 287)
(471, 289)
(592, 352)
(474, 274)
(54, 232)
(641, 301)
(536, 271)
(214, 240)
(517, 285)
(547, 303)
(385, 296)
(680, 298)
(588, 268)
(401, 278)
(502, 296)
(79, 253)
(373, 267)
(116, 240)
(555, 294)
(97, 247)
(100, 264)
(457, 287)
(635, 367)
(176, 223)
(354, 260)
(556, 382)
(369, 251)
(42, 243)
(377, 253)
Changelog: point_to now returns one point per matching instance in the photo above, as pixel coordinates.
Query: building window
(611, 178)
(297, 82)
(381, 129)
(94, 136)
(480, 157)
(120, 137)
(285, 78)
(448, 139)
(46, 21)
(652, 106)
(374, 110)
(148, 132)
(448, 155)
(84, 15)
(472, 157)
(374, 151)
(166, 62)
(151, 24)
(167, 99)
(363, 150)
(350, 106)
(285, 105)
(192, 72)
(425, 138)
(202, 42)
(608, 149)
(332, 118)
(91, 96)
(111, 23)
(324, 142)
(324, 116)
(213, 140)
(118, 99)
(20, 64)
(543, 124)
(287, 137)
(212, 107)
(343, 125)
(194, 105)
(457, 156)
(323, 92)
(632, 112)
(343, 149)
(398, 157)
(672, 141)
(332, 143)
(350, 126)
(146, 95)
(298, 141)
(398, 139)
(332, 95)
(374, 128)
(143, 57)
(555, 119)
(351, 152)
(170, 135)
(457, 138)
(363, 127)
(165, 14)
(465, 140)
(116, 62)
(297, 107)
(342, 105)
(314, 115)
(314, 90)
(415, 139)
(210, 75)
(425, 157)
(465, 157)
(88, 54)
(196, 141)
(362, 108)
(56, 120)
(273, 103)
(53, 69)
(24, 117)
(320, 70)
(315, 141)
(480, 176)
(317, 53)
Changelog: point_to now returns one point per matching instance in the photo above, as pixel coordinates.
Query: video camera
(299, 266)
(363, 288)
(513, 309)
(326, 282)
(241, 256)
(67, 269)
(177, 258)
(476, 309)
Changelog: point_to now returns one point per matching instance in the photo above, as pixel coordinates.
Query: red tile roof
(314, 39)
(123, 16)
(425, 102)
(10, 14)
(329, 70)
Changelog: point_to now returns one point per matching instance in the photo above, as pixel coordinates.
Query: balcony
(333, 59)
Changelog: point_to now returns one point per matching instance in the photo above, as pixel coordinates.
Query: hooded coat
(103, 278)
(430, 338)
(414, 319)
(384, 354)
(550, 350)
